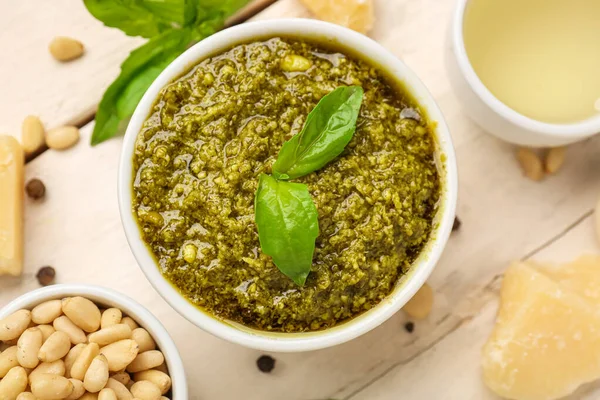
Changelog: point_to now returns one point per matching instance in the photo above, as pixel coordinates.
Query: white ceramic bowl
(109, 298)
(409, 284)
(494, 116)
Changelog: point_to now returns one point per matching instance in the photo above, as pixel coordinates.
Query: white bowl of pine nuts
(86, 342)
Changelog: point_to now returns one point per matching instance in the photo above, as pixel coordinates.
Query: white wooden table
(77, 229)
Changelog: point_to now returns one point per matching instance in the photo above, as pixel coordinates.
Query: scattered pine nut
(64, 48)
(555, 159)
(421, 304)
(32, 134)
(531, 164)
(62, 138)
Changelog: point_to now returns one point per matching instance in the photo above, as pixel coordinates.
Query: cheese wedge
(354, 14)
(546, 342)
(581, 276)
(11, 206)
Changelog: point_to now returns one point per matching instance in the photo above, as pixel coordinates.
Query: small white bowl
(408, 284)
(109, 298)
(494, 116)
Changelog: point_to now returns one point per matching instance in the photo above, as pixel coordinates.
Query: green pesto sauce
(214, 130)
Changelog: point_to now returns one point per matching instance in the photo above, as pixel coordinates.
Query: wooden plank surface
(33, 82)
(505, 217)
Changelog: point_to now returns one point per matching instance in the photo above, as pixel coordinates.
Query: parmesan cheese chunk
(546, 342)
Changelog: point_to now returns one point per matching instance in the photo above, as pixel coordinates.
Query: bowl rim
(110, 297)
(293, 342)
(574, 130)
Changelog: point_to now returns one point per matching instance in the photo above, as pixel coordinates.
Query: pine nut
(145, 361)
(122, 377)
(143, 339)
(32, 134)
(26, 396)
(78, 389)
(110, 334)
(89, 396)
(96, 376)
(56, 368)
(14, 325)
(531, 164)
(62, 138)
(420, 305)
(107, 394)
(555, 159)
(8, 360)
(28, 347)
(160, 379)
(120, 389)
(50, 386)
(75, 333)
(84, 360)
(47, 330)
(145, 390)
(56, 347)
(83, 312)
(120, 354)
(13, 383)
(129, 321)
(111, 316)
(72, 357)
(46, 312)
(65, 48)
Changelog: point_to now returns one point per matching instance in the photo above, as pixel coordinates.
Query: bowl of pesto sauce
(298, 257)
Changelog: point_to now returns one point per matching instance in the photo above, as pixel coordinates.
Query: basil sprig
(287, 225)
(285, 215)
(171, 26)
(326, 132)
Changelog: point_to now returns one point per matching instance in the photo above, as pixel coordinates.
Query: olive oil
(539, 57)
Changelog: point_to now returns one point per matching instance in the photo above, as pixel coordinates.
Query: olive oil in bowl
(539, 57)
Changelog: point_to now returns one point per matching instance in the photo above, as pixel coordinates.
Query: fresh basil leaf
(146, 18)
(209, 9)
(328, 129)
(138, 72)
(288, 225)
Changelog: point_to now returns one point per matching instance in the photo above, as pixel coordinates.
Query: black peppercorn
(265, 363)
(409, 326)
(45, 276)
(35, 189)
(456, 224)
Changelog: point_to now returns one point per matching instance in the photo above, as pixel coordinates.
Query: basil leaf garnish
(171, 25)
(328, 129)
(288, 225)
(146, 18)
(285, 215)
(138, 71)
